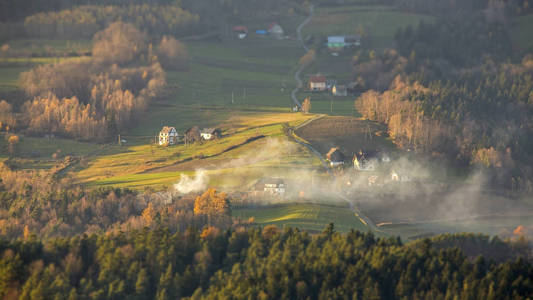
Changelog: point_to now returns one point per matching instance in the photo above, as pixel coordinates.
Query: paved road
(299, 82)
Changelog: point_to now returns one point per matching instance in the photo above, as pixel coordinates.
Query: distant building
(336, 42)
(168, 136)
(210, 133)
(276, 31)
(352, 40)
(339, 42)
(335, 157)
(241, 31)
(317, 83)
(339, 90)
(270, 186)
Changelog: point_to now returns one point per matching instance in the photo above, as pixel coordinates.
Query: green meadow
(308, 216)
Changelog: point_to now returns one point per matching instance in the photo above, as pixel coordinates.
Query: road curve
(299, 82)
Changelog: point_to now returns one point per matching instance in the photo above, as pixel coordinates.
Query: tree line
(257, 263)
(84, 21)
(39, 203)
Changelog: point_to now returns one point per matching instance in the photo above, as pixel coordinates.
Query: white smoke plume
(197, 183)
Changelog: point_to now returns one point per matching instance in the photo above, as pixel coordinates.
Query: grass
(521, 33)
(307, 216)
(379, 23)
(9, 77)
(47, 47)
(493, 225)
(148, 164)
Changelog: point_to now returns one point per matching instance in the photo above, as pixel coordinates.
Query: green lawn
(307, 216)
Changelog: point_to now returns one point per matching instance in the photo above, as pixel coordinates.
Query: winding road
(299, 82)
(364, 219)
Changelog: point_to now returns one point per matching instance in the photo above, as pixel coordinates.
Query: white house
(317, 83)
(168, 136)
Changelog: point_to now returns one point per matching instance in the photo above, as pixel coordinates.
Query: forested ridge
(257, 263)
(456, 88)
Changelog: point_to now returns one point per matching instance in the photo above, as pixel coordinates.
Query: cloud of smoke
(422, 192)
(197, 183)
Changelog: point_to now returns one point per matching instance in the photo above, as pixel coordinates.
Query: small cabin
(317, 83)
(168, 136)
(210, 133)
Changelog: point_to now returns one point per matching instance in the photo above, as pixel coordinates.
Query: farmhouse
(335, 157)
(168, 136)
(241, 31)
(276, 31)
(339, 90)
(210, 133)
(270, 186)
(317, 83)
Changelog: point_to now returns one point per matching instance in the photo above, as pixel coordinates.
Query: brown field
(348, 133)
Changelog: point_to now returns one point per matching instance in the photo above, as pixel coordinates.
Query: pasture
(378, 23)
(308, 216)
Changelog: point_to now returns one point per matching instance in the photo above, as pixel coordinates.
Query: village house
(168, 136)
(240, 31)
(335, 157)
(276, 31)
(317, 83)
(210, 133)
(270, 186)
(339, 90)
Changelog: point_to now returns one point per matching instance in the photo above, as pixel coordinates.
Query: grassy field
(521, 33)
(491, 225)
(308, 216)
(379, 23)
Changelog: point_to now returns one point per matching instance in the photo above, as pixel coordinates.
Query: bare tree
(119, 43)
(172, 54)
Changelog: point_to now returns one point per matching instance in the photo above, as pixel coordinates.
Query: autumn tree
(119, 43)
(7, 119)
(148, 214)
(306, 105)
(308, 58)
(213, 205)
(172, 54)
(12, 141)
